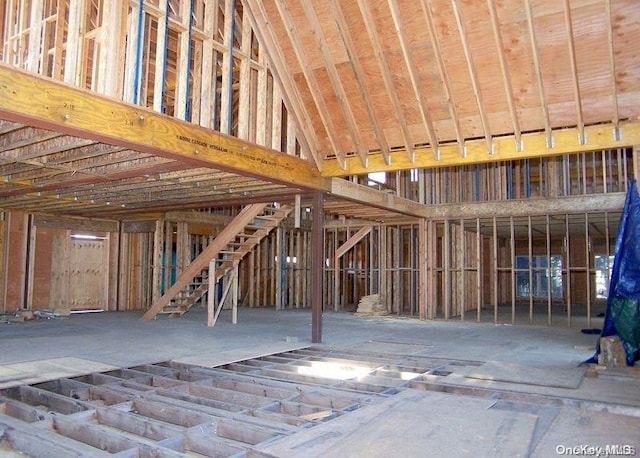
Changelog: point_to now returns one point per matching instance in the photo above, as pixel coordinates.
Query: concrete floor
(529, 364)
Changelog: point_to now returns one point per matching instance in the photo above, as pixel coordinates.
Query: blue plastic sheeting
(622, 317)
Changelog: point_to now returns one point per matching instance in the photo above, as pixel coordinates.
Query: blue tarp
(622, 317)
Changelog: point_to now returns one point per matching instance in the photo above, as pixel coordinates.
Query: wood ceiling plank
(52, 105)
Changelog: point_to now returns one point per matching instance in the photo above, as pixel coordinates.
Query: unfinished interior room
(316, 228)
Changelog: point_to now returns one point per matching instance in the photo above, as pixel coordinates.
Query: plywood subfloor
(314, 401)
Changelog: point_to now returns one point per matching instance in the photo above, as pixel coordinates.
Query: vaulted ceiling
(373, 85)
(383, 84)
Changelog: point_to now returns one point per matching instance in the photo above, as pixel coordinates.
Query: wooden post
(31, 263)
(4, 259)
(549, 272)
(568, 260)
(461, 249)
(422, 269)
(479, 282)
(123, 270)
(252, 272)
(495, 272)
(317, 266)
(397, 273)
(158, 244)
(211, 294)
(280, 257)
(446, 265)
(234, 294)
(513, 273)
(530, 236)
(587, 256)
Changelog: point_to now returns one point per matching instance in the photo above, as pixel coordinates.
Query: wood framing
(565, 141)
(48, 104)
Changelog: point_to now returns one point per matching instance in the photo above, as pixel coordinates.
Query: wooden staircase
(238, 238)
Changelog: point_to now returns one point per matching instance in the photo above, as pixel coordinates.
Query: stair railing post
(211, 294)
(234, 293)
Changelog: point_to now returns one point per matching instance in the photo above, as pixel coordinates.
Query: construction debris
(47, 314)
(371, 306)
(611, 352)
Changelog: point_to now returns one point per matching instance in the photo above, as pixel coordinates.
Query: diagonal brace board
(355, 238)
(202, 261)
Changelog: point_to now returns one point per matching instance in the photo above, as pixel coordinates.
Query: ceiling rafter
(414, 77)
(356, 65)
(314, 86)
(506, 78)
(386, 76)
(538, 68)
(444, 75)
(341, 95)
(473, 74)
(574, 69)
(612, 64)
(264, 31)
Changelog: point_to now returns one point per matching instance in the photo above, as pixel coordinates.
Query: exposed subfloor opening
(238, 409)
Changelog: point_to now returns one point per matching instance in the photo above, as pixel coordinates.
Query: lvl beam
(564, 141)
(369, 196)
(55, 106)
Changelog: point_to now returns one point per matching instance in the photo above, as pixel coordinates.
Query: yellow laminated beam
(52, 105)
(564, 141)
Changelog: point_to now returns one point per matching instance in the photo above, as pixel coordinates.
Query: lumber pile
(371, 305)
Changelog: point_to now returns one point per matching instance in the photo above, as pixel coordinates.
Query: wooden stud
(495, 271)
(588, 258)
(512, 273)
(530, 254)
(479, 273)
(568, 269)
(446, 265)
